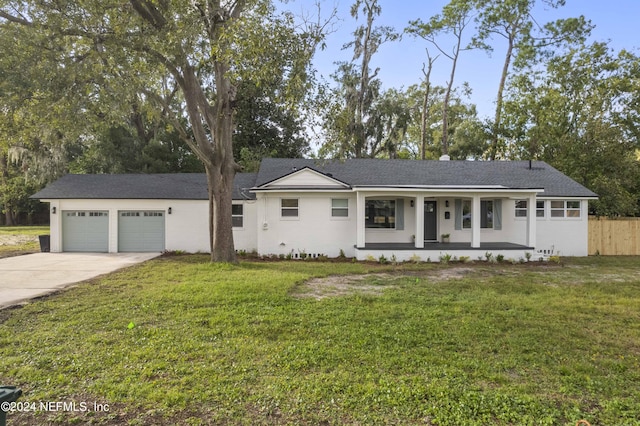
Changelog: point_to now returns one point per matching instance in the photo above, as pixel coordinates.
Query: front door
(430, 221)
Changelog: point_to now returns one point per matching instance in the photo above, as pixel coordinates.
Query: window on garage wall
(339, 207)
(289, 207)
(237, 215)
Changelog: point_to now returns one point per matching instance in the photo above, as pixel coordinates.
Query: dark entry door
(430, 221)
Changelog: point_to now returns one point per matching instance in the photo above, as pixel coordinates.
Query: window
(565, 208)
(339, 207)
(289, 207)
(466, 214)
(573, 208)
(237, 219)
(540, 209)
(521, 208)
(380, 214)
(486, 214)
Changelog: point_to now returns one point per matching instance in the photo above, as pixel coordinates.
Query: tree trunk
(220, 185)
(215, 150)
(223, 169)
(425, 111)
(447, 96)
(498, 116)
(4, 177)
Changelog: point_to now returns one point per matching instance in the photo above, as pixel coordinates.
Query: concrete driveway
(32, 275)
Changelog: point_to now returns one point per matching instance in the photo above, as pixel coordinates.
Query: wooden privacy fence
(614, 236)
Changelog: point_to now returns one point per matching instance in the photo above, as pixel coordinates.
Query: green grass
(17, 240)
(24, 230)
(223, 344)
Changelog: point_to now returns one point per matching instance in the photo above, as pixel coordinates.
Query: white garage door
(86, 231)
(140, 231)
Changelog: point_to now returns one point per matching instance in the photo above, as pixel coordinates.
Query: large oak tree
(186, 57)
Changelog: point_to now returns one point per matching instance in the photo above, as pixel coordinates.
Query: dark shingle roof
(360, 172)
(378, 172)
(176, 186)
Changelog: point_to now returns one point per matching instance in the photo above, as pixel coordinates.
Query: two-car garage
(88, 231)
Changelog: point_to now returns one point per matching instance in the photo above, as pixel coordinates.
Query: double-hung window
(540, 210)
(289, 207)
(237, 215)
(565, 208)
(521, 208)
(339, 207)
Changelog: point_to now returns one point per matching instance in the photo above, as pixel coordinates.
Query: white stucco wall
(314, 231)
(564, 236)
(186, 228)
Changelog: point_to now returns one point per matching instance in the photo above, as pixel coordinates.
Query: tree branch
(15, 19)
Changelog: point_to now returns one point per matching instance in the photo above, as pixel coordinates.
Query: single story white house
(359, 207)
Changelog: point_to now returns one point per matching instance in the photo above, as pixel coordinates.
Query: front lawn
(17, 240)
(178, 340)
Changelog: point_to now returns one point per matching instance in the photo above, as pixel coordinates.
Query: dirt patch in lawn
(449, 274)
(343, 285)
(368, 284)
(14, 240)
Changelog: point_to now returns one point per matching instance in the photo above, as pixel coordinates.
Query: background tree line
(213, 85)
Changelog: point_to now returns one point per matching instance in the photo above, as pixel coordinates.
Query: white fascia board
(299, 190)
(329, 179)
(566, 197)
(450, 189)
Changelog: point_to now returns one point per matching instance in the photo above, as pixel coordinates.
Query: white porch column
(419, 243)
(360, 222)
(475, 222)
(531, 221)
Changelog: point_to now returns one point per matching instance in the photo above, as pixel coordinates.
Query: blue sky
(401, 62)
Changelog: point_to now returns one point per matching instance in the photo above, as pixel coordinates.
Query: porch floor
(444, 246)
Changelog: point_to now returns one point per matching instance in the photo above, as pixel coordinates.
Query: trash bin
(44, 243)
(7, 394)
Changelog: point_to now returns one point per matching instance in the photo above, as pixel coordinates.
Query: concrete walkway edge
(33, 275)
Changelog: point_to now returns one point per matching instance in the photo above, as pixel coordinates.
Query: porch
(409, 223)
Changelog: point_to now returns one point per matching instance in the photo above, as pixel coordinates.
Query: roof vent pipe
(445, 157)
(530, 164)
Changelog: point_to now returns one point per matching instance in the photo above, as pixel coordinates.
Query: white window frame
(295, 209)
(567, 211)
(542, 209)
(335, 209)
(236, 216)
(520, 211)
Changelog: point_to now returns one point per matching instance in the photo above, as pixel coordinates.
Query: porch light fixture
(169, 211)
(446, 203)
(411, 203)
(53, 210)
